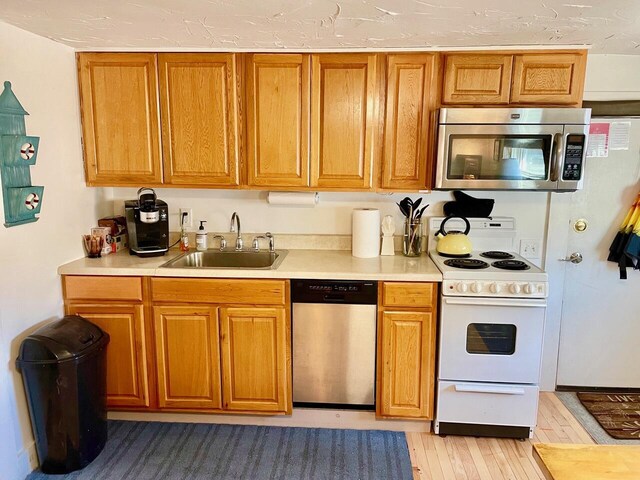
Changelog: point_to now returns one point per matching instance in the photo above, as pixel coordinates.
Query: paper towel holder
(293, 199)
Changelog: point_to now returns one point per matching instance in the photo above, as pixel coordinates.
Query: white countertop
(314, 264)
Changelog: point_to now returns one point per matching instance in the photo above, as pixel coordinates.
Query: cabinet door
(406, 163)
(550, 78)
(199, 95)
(256, 359)
(477, 79)
(127, 380)
(344, 120)
(407, 364)
(119, 111)
(188, 356)
(278, 120)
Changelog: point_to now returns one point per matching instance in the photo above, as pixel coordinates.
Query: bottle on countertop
(201, 237)
(184, 238)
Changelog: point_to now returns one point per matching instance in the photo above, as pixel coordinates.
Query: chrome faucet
(268, 235)
(235, 221)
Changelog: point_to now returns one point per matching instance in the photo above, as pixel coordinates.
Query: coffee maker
(148, 224)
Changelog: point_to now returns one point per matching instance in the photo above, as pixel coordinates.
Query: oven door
(491, 339)
(498, 157)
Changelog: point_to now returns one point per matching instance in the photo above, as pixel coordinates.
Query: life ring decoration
(32, 200)
(27, 151)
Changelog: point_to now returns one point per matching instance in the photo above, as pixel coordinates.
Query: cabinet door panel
(549, 78)
(405, 162)
(119, 110)
(477, 79)
(407, 343)
(200, 127)
(256, 359)
(127, 380)
(188, 357)
(278, 120)
(343, 120)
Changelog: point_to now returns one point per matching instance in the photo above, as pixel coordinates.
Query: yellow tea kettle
(454, 243)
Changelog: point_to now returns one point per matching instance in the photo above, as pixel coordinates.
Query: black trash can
(63, 367)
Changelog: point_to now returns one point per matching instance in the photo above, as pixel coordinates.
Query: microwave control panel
(574, 153)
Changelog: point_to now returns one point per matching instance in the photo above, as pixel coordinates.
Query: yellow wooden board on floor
(588, 462)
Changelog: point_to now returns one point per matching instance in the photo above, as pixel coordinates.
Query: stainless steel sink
(218, 259)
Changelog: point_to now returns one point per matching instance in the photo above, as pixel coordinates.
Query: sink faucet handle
(223, 241)
(272, 242)
(256, 242)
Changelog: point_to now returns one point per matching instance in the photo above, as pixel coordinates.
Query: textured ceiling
(611, 26)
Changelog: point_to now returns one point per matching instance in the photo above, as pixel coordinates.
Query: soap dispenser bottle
(201, 237)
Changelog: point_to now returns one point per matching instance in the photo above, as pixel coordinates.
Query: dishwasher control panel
(334, 291)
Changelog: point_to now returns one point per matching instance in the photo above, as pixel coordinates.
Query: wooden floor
(470, 458)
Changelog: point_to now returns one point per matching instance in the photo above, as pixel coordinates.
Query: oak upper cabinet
(549, 78)
(278, 89)
(256, 359)
(476, 79)
(200, 95)
(406, 350)
(187, 356)
(406, 163)
(344, 120)
(119, 110)
(127, 382)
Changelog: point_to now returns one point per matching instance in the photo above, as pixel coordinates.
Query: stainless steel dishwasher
(334, 343)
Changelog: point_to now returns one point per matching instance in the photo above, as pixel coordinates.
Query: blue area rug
(185, 451)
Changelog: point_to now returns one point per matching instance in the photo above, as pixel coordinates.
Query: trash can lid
(71, 337)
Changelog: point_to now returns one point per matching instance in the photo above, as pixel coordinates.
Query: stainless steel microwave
(512, 148)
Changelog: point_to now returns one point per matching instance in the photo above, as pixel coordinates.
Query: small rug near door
(617, 413)
(186, 451)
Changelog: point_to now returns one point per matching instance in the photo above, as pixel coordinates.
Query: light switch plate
(530, 248)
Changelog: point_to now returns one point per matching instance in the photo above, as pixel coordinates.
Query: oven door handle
(495, 302)
(488, 389)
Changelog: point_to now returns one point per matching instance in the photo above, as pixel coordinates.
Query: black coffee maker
(148, 224)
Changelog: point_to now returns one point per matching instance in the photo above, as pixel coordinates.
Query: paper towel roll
(365, 235)
(304, 199)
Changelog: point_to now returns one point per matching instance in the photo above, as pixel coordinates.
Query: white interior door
(600, 327)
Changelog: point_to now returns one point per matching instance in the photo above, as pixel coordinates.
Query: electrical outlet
(530, 248)
(188, 221)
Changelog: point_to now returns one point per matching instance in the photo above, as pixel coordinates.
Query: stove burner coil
(511, 265)
(468, 263)
(497, 255)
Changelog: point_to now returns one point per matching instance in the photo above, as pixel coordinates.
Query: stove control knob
(476, 287)
(495, 288)
(514, 288)
(462, 287)
(529, 288)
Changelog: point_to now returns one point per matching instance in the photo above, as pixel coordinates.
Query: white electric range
(492, 315)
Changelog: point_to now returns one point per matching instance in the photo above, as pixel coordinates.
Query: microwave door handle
(557, 147)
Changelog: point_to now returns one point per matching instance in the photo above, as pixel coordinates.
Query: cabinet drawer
(405, 294)
(199, 290)
(79, 287)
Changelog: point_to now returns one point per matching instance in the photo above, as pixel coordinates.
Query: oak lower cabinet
(255, 358)
(115, 305)
(187, 356)
(406, 350)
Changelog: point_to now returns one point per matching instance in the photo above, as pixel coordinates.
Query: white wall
(44, 80)
(612, 77)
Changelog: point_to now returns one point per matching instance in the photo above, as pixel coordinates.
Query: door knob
(573, 258)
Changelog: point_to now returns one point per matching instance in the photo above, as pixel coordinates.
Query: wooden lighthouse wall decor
(18, 151)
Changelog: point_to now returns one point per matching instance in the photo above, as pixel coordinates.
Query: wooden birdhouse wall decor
(22, 201)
